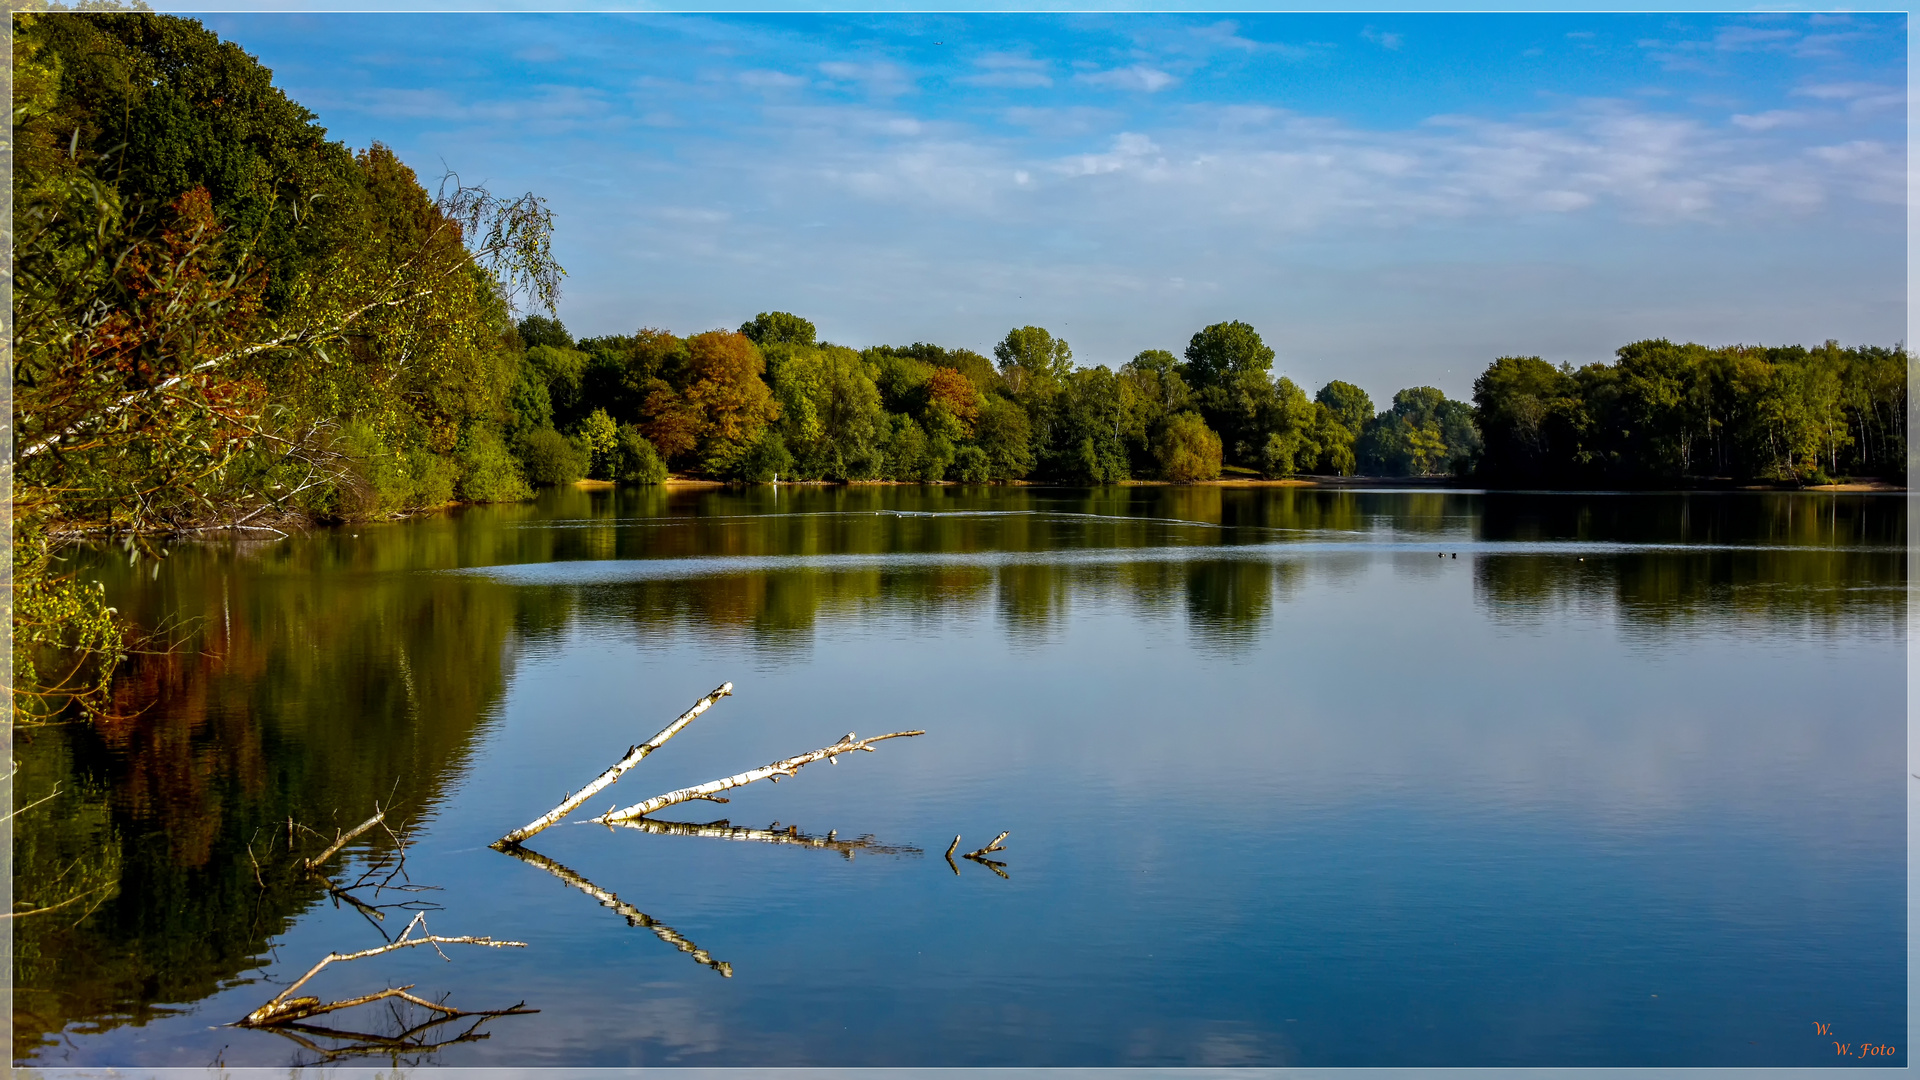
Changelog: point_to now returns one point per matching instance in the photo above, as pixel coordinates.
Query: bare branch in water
(342, 841)
(634, 756)
(787, 767)
(980, 855)
(285, 1008)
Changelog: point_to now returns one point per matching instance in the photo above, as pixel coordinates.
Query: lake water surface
(1292, 777)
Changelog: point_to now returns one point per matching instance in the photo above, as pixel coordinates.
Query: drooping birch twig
(634, 756)
(725, 830)
(787, 767)
(633, 915)
(285, 1007)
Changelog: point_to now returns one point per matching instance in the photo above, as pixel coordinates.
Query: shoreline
(1334, 483)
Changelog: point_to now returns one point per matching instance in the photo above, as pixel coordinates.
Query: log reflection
(772, 834)
(406, 1046)
(633, 915)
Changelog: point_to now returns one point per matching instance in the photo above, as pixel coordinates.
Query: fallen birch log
(633, 915)
(788, 767)
(634, 756)
(285, 1007)
(724, 830)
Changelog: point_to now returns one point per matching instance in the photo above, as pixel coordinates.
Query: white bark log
(633, 915)
(788, 767)
(634, 757)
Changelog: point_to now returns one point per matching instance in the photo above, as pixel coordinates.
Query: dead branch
(343, 840)
(634, 756)
(980, 855)
(633, 915)
(788, 767)
(994, 846)
(284, 1007)
(724, 830)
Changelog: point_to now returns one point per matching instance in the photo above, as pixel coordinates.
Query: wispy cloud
(760, 79)
(1384, 40)
(1770, 119)
(1009, 70)
(1858, 96)
(880, 78)
(1137, 77)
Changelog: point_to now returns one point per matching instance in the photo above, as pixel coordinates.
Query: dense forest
(226, 320)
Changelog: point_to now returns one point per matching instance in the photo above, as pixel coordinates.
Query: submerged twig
(634, 756)
(633, 915)
(787, 767)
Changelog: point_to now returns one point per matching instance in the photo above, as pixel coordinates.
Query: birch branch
(634, 756)
(980, 855)
(982, 852)
(633, 915)
(342, 841)
(723, 830)
(285, 1007)
(788, 767)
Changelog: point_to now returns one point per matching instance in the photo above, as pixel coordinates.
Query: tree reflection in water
(342, 667)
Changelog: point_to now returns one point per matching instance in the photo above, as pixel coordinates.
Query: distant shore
(1438, 483)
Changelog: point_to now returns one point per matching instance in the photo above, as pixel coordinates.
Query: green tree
(1188, 450)
(1006, 439)
(778, 328)
(1031, 358)
(639, 464)
(1222, 352)
(599, 435)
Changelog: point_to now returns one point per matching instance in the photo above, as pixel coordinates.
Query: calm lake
(1292, 776)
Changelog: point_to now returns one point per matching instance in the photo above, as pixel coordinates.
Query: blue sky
(1390, 199)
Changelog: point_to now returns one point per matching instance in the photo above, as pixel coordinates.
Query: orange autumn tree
(725, 388)
(955, 393)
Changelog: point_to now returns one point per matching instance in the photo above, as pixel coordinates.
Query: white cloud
(770, 80)
(1130, 150)
(1869, 169)
(1138, 77)
(1012, 80)
(1225, 35)
(1010, 70)
(1767, 121)
(1385, 41)
(1859, 96)
(879, 77)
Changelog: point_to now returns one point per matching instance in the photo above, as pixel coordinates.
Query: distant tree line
(1664, 413)
(770, 400)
